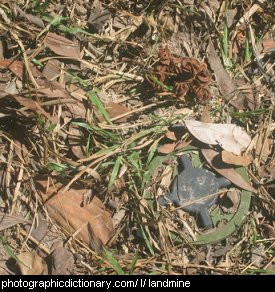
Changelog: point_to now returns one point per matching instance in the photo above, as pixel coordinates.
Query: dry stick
(265, 135)
(38, 243)
(15, 36)
(17, 188)
(251, 264)
(199, 200)
(77, 176)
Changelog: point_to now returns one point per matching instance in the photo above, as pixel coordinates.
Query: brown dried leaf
(53, 92)
(30, 263)
(214, 159)
(62, 46)
(166, 148)
(231, 158)
(33, 105)
(247, 91)
(171, 135)
(76, 142)
(263, 146)
(205, 116)
(62, 261)
(99, 16)
(65, 209)
(52, 69)
(116, 109)
(30, 17)
(227, 86)
(268, 44)
(17, 68)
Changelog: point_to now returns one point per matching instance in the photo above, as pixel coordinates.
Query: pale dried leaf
(7, 221)
(40, 231)
(230, 201)
(258, 255)
(230, 137)
(30, 263)
(214, 159)
(263, 147)
(118, 216)
(62, 261)
(231, 158)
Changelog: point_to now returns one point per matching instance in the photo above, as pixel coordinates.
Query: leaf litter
(157, 65)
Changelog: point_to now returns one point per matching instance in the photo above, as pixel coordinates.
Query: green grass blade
(56, 166)
(147, 242)
(114, 172)
(98, 105)
(113, 261)
(248, 53)
(133, 263)
(134, 159)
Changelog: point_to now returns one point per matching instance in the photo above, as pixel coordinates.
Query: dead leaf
(98, 16)
(230, 158)
(30, 17)
(258, 255)
(33, 105)
(267, 170)
(62, 46)
(263, 147)
(166, 148)
(205, 116)
(52, 69)
(214, 159)
(76, 142)
(40, 231)
(229, 136)
(7, 221)
(248, 92)
(114, 110)
(268, 44)
(227, 86)
(76, 92)
(65, 209)
(230, 201)
(171, 135)
(30, 263)
(17, 68)
(62, 261)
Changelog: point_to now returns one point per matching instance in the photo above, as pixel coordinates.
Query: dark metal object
(194, 184)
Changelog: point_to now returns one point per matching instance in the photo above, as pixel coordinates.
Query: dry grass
(77, 109)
